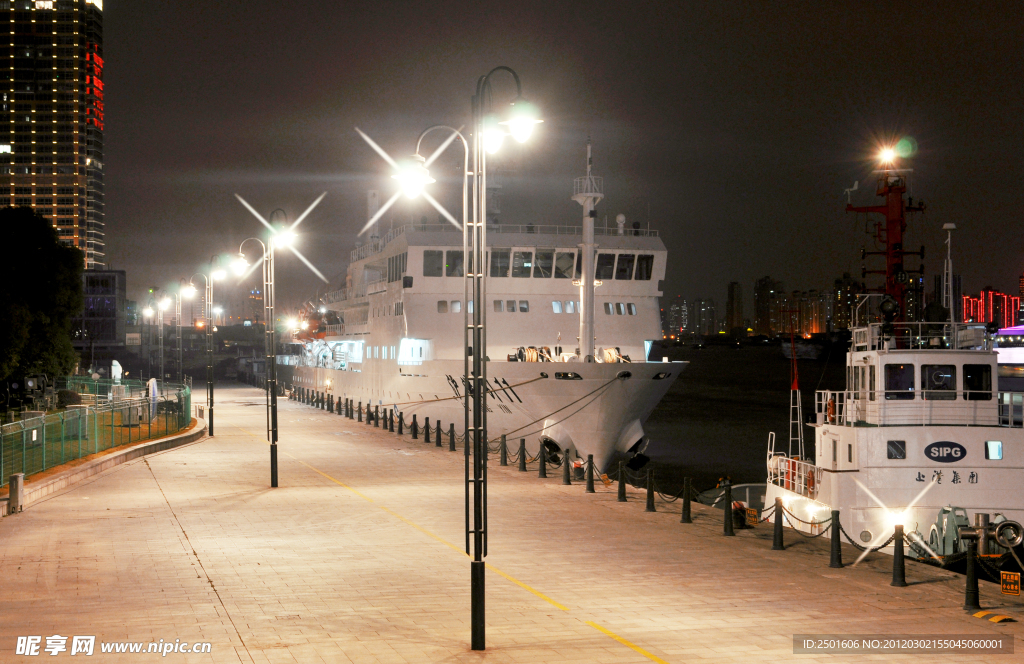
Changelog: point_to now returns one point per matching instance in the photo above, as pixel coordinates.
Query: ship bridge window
(522, 262)
(433, 263)
(544, 264)
(524, 306)
(442, 306)
(453, 266)
(993, 450)
(899, 381)
(938, 381)
(608, 308)
(624, 268)
(978, 382)
(499, 306)
(605, 266)
(570, 307)
(499, 262)
(579, 265)
(510, 306)
(620, 308)
(896, 449)
(556, 306)
(456, 306)
(563, 265)
(644, 267)
(631, 309)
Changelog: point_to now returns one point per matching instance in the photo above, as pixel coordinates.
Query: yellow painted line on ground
(626, 643)
(494, 569)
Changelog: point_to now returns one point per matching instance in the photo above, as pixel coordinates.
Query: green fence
(111, 415)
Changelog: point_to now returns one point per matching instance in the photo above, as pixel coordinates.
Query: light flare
(891, 515)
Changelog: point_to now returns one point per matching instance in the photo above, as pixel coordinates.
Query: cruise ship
(392, 337)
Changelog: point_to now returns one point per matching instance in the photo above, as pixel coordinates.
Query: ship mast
(587, 192)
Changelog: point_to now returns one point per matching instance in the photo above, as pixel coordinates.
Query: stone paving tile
(192, 544)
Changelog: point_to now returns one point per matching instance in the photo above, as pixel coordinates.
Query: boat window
(644, 267)
(856, 382)
(871, 383)
(453, 266)
(938, 381)
(624, 268)
(469, 306)
(522, 262)
(849, 453)
(570, 307)
(978, 382)
(899, 381)
(608, 308)
(524, 306)
(563, 265)
(631, 309)
(510, 306)
(556, 306)
(620, 309)
(499, 306)
(605, 266)
(456, 306)
(545, 262)
(433, 263)
(993, 450)
(579, 265)
(896, 449)
(499, 262)
(442, 306)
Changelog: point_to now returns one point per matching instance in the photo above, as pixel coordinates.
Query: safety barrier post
(415, 427)
(837, 551)
(686, 517)
(543, 472)
(391, 420)
(401, 423)
(590, 473)
(565, 468)
(359, 412)
(899, 575)
(451, 437)
(971, 590)
(522, 455)
(437, 431)
(502, 452)
(727, 498)
(622, 482)
(650, 491)
(426, 430)
(777, 541)
(330, 404)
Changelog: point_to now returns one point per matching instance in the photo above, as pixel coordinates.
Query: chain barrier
(802, 533)
(807, 523)
(990, 569)
(872, 549)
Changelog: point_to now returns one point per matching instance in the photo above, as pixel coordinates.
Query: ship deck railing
(921, 336)
(800, 477)
(919, 408)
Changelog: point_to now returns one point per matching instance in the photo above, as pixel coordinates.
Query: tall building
(704, 320)
(51, 145)
(991, 306)
(677, 318)
(98, 332)
(844, 299)
(767, 293)
(734, 310)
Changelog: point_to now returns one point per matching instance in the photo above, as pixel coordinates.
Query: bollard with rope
(971, 598)
(727, 529)
(522, 455)
(401, 423)
(543, 472)
(391, 420)
(503, 452)
(437, 430)
(622, 483)
(369, 415)
(565, 468)
(415, 427)
(590, 473)
(836, 559)
(899, 574)
(777, 539)
(359, 412)
(650, 492)
(451, 436)
(330, 403)
(426, 429)
(376, 416)
(686, 517)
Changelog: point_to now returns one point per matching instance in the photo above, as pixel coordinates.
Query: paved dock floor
(357, 557)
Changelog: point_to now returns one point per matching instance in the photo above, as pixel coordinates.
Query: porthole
(865, 536)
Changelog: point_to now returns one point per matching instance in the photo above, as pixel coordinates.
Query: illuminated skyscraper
(51, 139)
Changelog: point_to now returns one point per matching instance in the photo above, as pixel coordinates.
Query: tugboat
(921, 436)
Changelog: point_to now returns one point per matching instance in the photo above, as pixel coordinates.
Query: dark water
(714, 421)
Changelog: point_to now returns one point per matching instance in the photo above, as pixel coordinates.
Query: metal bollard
(401, 423)
(376, 416)
(426, 429)
(837, 551)
(777, 542)
(330, 403)
(415, 427)
(686, 517)
(391, 420)
(16, 502)
(522, 455)
(543, 472)
(503, 452)
(622, 482)
(359, 412)
(727, 497)
(590, 473)
(451, 436)
(437, 431)
(650, 492)
(899, 573)
(971, 590)
(566, 479)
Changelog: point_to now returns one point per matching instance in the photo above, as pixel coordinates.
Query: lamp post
(215, 274)
(147, 314)
(282, 239)
(187, 291)
(162, 305)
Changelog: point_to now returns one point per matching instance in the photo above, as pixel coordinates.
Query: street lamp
(162, 305)
(215, 273)
(283, 238)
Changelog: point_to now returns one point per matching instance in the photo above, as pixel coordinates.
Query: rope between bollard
(802, 533)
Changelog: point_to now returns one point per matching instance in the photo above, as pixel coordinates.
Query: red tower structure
(892, 185)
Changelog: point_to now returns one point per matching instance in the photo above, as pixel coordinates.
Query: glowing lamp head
(291, 323)
(188, 291)
(492, 133)
(284, 239)
(239, 264)
(413, 176)
(304, 325)
(218, 310)
(323, 310)
(521, 119)
(164, 304)
(897, 519)
(147, 312)
(887, 155)
(218, 274)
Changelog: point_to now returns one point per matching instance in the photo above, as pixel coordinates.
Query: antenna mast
(587, 192)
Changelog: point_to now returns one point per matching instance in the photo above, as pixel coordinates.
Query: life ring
(830, 410)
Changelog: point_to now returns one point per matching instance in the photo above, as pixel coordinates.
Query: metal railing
(918, 408)
(794, 475)
(33, 445)
(921, 336)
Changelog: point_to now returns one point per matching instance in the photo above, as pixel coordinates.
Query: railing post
(686, 517)
(836, 559)
(899, 575)
(503, 452)
(622, 482)
(451, 436)
(376, 416)
(543, 471)
(391, 420)
(727, 499)
(522, 455)
(426, 429)
(590, 473)
(359, 412)
(415, 427)
(971, 577)
(566, 479)
(650, 491)
(401, 423)
(777, 538)
(437, 432)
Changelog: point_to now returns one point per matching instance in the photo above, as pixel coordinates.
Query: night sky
(732, 127)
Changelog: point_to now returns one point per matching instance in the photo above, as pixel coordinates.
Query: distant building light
(5, 149)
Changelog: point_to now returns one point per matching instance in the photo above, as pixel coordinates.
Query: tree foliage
(40, 294)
